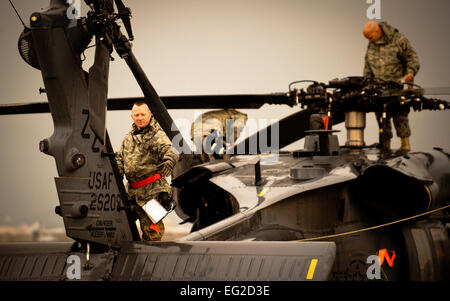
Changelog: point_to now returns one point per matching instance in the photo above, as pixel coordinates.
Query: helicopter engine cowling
(203, 202)
(406, 185)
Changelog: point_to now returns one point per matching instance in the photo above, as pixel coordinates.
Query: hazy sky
(210, 47)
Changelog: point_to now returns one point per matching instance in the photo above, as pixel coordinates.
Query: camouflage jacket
(391, 57)
(140, 154)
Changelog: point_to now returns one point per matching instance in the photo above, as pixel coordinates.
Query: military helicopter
(314, 214)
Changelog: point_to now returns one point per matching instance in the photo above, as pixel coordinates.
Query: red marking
(382, 254)
(154, 227)
(325, 122)
(146, 181)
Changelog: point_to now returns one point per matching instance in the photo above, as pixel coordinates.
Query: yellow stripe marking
(312, 268)
(429, 196)
(263, 192)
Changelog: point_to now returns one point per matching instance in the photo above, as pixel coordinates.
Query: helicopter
(314, 214)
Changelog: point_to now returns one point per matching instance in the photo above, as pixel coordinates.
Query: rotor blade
(437, 91)
(24, 108)
(290, 129)
(125, 16)
(237, 101)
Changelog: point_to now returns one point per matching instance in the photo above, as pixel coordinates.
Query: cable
(374, 227)
(17, 13)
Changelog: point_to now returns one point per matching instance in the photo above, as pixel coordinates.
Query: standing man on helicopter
(390, 57)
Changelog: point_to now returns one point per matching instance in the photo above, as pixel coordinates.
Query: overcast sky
(192, 47)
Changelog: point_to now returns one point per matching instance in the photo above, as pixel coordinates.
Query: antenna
(17, 13)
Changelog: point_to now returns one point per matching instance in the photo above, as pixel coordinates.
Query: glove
(165, 200)
(165, 168)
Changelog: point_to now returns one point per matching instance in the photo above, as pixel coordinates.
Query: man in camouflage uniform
(390, 57)
(211, 130)
(146, 150)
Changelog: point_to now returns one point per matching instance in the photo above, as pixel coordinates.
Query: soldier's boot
(149, 231)
(405, 146)
(152, 233)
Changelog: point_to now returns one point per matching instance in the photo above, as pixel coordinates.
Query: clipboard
(155, 211)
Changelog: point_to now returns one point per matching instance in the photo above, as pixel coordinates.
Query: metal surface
(33, 261)
(172, 261)
(355, 123)
(428, 246)
(194, 261)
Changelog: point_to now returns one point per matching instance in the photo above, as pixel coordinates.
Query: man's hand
(165, 200)
(165, 168)
(408, 78)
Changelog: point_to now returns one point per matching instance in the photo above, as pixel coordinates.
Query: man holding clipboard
(146, 158)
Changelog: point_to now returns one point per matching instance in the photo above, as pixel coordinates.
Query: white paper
(155, 211)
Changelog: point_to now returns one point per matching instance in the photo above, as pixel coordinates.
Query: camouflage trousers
(147, 232)
(401, 123)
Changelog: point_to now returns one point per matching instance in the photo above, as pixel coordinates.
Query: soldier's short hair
(139, 103)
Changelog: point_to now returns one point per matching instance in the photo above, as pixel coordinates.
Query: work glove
(165, 168)
(165, 200)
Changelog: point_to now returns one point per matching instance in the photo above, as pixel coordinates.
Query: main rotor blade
(290, 129)
(24, 108)
(125, 16)
(437, 91)
(237, 101)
